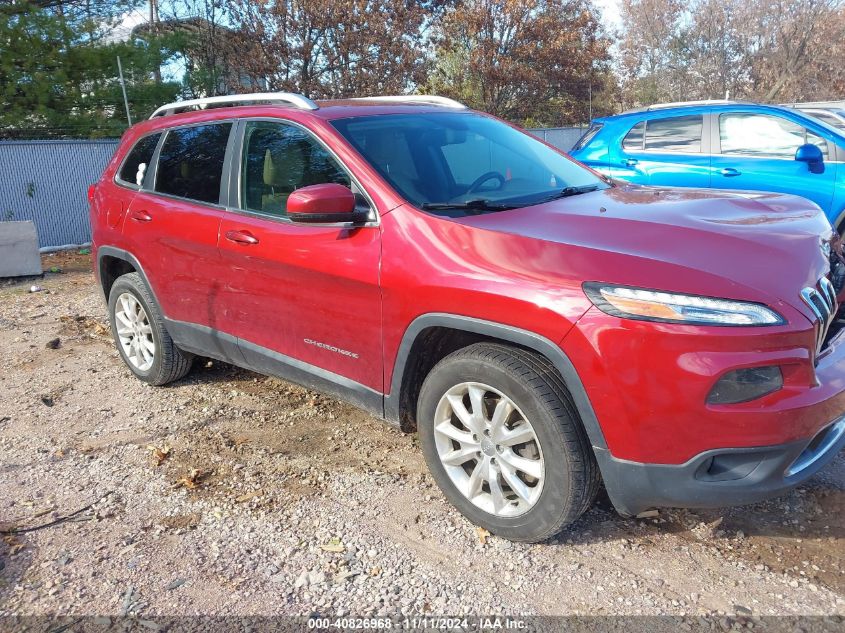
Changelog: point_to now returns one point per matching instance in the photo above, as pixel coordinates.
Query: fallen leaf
(159, 454)
(191, 480)
(345, 575)
(13, 543)
(648, 514)
(483, 535)
(175, 584)
(249, 495)
(333, 545)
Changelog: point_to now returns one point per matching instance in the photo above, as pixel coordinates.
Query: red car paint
(281, 285)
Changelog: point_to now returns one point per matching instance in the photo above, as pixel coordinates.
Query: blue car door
(671, 151)
(756, 152)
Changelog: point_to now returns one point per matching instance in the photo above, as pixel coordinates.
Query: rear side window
(764, 135)
(190, 164)
(589, 135)
(136, 162)
(828, 118)
(675, 134)
(634, 139)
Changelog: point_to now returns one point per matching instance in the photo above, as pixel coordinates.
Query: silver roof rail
(678, 104)
(289, 98)
(821, 105)
(422, 99)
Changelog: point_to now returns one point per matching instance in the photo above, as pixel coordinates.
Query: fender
(838, 222)
(119, 253)
(520, 337)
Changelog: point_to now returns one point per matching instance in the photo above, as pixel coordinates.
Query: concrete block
(19, 249)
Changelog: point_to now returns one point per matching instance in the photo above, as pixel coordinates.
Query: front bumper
(719, 477)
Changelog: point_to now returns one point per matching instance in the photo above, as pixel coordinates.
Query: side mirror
(812, 155)
(328, 203)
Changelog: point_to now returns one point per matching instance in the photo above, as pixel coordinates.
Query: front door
(305, 296)
(757, 153)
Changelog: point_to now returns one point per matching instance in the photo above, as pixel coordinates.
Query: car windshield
(464, 163)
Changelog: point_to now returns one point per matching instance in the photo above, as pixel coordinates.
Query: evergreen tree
(59, 75)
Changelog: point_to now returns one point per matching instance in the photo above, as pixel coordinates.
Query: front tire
(140, 336)
(504, 443)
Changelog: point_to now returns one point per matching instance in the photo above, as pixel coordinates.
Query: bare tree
(333, 48)
(772, 50)
(527, 60)
(791, 39)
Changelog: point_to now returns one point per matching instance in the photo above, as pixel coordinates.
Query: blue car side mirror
(812, 155)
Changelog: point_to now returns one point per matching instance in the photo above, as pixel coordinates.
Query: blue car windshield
(461, 162)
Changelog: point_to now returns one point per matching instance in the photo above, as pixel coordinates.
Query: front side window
(675, 134)
(461, 163)
(764, 135)
(190, 164)
(135, 166)
(278, 159)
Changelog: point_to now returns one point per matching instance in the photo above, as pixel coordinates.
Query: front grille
(822, 301)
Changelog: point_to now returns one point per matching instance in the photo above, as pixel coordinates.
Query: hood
(741, 245)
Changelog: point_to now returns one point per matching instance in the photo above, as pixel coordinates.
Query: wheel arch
(112, 262)
(411, 364)
(839, 222)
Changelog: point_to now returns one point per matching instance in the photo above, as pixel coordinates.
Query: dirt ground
(234, 493)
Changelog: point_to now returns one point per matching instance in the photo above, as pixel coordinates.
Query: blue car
(723, 145)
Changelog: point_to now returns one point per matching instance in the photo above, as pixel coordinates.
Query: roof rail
(677, 104)
(289, 98)
(424, 99)
(816, 104)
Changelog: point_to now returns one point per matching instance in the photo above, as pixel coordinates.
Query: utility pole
(153, 32)
(123, 87)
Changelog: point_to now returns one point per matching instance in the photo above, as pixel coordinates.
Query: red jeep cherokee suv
(543, 329)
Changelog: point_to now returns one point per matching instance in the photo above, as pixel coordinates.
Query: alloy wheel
(134, 332)
(489, 449)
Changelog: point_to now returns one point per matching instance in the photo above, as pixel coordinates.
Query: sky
(610, 12)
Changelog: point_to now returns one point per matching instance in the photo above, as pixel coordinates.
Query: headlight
(665, 307)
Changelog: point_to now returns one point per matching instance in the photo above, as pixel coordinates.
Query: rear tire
(140, 336)
(534, 456)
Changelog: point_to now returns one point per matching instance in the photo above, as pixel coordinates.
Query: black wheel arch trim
(119, 253)
(507, 333)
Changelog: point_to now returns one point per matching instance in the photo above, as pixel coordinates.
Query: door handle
(630, 162)
(730, 172)
(140, 216)
(241, 237)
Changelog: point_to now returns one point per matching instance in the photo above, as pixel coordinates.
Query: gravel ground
(233, 493)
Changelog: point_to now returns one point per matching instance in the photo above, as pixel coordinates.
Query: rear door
(669, 151)
(756, 152)
(306, 296)
(172, 223)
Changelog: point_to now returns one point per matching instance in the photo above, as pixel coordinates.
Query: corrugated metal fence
(561, 137)
(47, 182)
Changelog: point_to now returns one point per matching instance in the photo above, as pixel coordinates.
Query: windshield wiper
(475, 205)
(566, 192)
